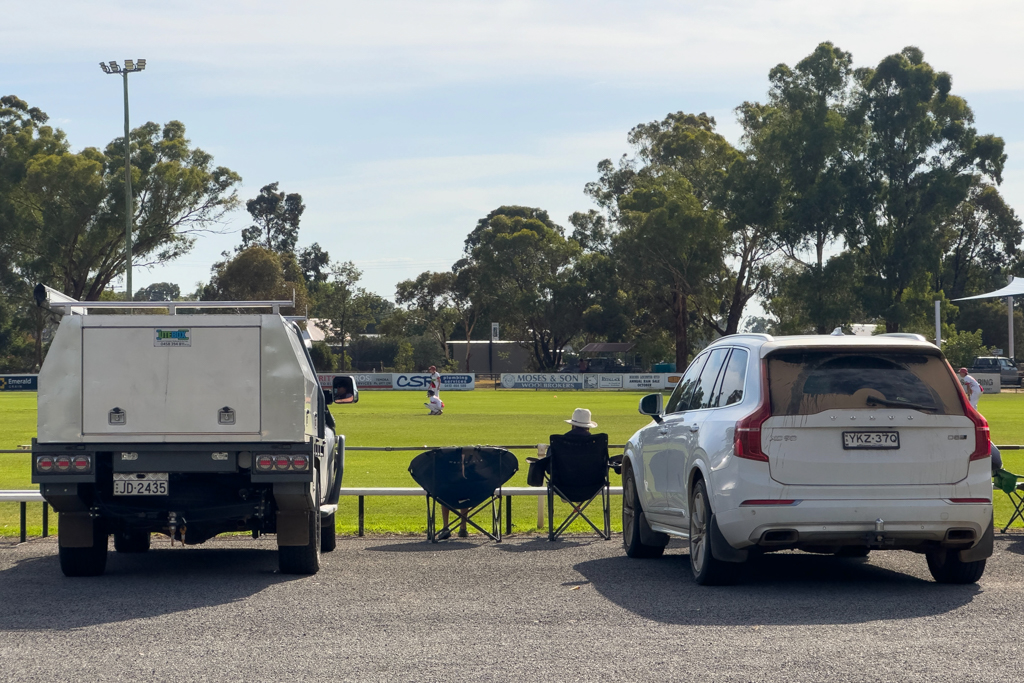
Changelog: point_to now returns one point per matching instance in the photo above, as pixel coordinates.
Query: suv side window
(680, 397)
(730, 390)
(703, 392)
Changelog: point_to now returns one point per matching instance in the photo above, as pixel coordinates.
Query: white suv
(834, 444)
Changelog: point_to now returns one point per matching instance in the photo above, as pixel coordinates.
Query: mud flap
(720, 548)
(292, 528)
(74, 530)
(983, 549)
(649, 536)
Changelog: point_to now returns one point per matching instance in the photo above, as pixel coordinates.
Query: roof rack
(62, 304)
(904, 335)
(755, 335)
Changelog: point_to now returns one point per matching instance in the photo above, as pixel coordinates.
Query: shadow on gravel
(424, 546)
(1012, 545)
(782, 589)
(35, 595)
(539, 544)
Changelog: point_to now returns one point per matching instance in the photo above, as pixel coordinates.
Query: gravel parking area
(398, 609)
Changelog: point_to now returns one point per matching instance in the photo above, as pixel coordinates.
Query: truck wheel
(88, 561)
(947, 567)
(328, 534)
(131, 541)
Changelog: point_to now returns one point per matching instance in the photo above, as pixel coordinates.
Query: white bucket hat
(581, 418)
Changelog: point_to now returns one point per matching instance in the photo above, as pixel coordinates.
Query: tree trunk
(679, 310)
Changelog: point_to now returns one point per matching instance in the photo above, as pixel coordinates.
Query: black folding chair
(467, 480)
(577, 472)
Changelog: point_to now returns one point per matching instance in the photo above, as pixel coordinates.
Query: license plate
(139, 484)
(871, 440)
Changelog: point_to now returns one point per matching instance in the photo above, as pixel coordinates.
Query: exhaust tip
(779, 537)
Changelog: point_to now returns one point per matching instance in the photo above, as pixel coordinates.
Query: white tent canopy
(1015, 288)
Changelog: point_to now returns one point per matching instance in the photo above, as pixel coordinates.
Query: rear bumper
(894, 524)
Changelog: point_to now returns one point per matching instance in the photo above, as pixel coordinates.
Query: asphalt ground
(401, 609)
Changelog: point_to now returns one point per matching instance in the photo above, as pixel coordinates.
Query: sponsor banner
(988, 381)
(179, 337)
(19, 383)
(399, 381)
(655, 381)
(542, 380)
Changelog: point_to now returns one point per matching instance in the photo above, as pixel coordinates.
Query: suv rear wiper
(871, 400)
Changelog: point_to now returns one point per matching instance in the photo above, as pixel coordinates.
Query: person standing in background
(435, 381)
(971, 387)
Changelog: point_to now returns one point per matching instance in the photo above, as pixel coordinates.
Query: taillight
(81, 463)
(63, 463)
(982, 436)
(264, 462)
(281, 462)
(44, 463)
(299, 462)
(748, 430)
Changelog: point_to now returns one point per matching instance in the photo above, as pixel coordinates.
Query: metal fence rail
(33, 496)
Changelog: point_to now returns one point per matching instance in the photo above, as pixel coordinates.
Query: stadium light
(112, 67)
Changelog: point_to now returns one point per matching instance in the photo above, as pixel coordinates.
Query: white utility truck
(187, 426)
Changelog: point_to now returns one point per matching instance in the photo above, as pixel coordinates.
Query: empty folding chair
(1011, 485)
(467, 480)
(577, 472)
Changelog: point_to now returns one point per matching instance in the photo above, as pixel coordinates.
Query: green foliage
(258, 274)
(159, 291)
(963, 347)
(404, 361)
(343, 307)
(275, 218)
(323, 359)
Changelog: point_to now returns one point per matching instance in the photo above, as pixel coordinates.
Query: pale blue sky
(403, 122)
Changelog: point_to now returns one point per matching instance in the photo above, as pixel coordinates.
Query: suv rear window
(806, 382)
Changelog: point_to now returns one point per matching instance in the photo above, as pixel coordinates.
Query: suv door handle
(694, 428)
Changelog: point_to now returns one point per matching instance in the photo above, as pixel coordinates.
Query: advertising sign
(410, 381)
(988, 381)
(19, 383)
(542, 380)
(654, 381)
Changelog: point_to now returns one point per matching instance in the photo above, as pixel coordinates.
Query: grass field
(477, 417)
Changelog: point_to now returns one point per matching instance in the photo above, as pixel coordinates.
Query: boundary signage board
(19, 382)
(402, 381)
(653, 381)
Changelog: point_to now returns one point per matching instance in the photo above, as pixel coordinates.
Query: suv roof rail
(904, 335)
(64, 305)
(755, 335)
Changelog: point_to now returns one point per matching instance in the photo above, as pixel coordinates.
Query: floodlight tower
(114, 68)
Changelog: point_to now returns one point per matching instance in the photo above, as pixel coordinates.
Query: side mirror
(651, 404)
(345, 390)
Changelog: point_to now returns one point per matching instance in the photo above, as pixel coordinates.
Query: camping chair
(577, 472)
(1012, 486)
(467, 480)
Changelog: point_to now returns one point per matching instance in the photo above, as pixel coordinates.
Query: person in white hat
(581, 422)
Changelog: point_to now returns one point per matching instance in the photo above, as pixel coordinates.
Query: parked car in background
(827, 444)
(992, 365)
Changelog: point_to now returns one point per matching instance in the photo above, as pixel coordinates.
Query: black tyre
(303, 559)
(88, 561)
(631, 519)
(946, 567)
(853, 551)
(131, 541)
(707, 571)
(328, 534)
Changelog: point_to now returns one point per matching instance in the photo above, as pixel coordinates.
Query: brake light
(299, 462)
(969, 500)
(63, 463)
(44, 463)
(81, 463)
(264, 462)
(282, 462)
(982, 435)
(747, 443)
